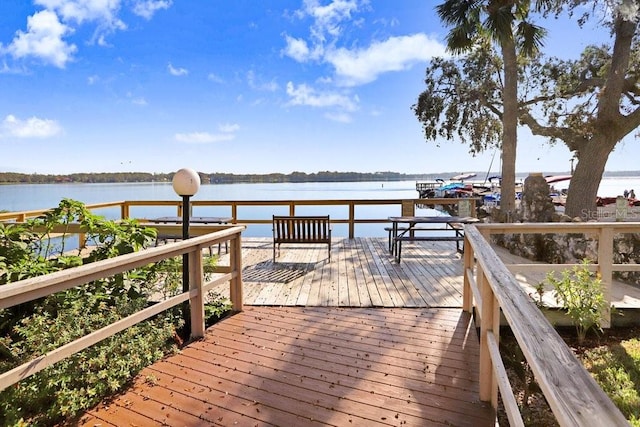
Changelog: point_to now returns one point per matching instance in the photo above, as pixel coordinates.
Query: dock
(359, 340)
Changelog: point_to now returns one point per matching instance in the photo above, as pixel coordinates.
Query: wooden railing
(489, 287)
(37, 287)
(406, 207)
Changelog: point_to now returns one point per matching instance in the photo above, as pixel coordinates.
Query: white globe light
(186, 182)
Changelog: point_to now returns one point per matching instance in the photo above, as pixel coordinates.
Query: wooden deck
(297, 366)
(361, 273)
(359, 340)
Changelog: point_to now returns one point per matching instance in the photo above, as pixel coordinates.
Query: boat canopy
(556, 178)
(463, 176)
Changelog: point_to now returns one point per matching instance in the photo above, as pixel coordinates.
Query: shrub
(65, 389)
(580, 293)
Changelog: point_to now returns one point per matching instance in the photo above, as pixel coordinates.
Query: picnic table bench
(399, 234)
(301, 229)
(165, 237)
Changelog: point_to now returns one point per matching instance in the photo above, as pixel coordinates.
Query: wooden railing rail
(30, 289)
(602, 232)
(573, 395)
(405, 207)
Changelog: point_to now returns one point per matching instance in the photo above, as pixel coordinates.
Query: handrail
(406, 207)
(30, 289)
(573, 395)
(603, 232)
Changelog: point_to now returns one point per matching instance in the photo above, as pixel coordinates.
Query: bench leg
(398, 245)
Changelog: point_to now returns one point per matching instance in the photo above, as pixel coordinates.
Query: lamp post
(186, 183)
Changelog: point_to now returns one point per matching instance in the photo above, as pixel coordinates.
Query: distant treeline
(229, 178)
(214, 178)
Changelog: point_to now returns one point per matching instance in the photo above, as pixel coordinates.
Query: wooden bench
(301, 229)
(458, 237)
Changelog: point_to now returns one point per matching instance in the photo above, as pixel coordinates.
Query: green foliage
(80, 381)
(463, 100)
(30, 330)
(617, 370)
(580, 293)
(215, 307)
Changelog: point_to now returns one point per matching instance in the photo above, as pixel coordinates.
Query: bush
(67, 388)
(580, 293)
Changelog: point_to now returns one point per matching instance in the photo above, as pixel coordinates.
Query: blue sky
(238, 86)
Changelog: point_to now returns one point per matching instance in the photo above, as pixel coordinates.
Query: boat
(558, 197)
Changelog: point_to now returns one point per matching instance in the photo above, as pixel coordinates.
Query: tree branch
(571, 139)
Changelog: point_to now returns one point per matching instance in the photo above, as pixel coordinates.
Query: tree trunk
(509, 130)
(583, 188)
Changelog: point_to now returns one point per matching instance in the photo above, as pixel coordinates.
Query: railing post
(605, 269)
(124, 210)
(235, 283)
(467, 294)
(352, 216)
(82, 240)
(486, 325)
(196, 300)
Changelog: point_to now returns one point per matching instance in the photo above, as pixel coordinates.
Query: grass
(616, 367)
(612, 358)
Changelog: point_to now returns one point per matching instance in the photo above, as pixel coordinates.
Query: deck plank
(362, 273)
(360, 340)
(308, 366)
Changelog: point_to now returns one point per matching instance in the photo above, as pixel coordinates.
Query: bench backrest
(300, 229)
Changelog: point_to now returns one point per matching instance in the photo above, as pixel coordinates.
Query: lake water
(23, 197)
(41, 196)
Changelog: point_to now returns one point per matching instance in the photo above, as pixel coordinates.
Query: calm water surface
(41, 196)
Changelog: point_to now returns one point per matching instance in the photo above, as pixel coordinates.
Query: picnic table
(404, 229)
(192, 220)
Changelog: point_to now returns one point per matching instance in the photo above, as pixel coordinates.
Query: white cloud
(339, 117)
(47, 28)
(327, 26)
(102, 12)
(227, 133)
(30, 128)
(229, 127)
(328, 18)
(296, 49)
(139, 101)
(202, 137)
(254, 83)
(215, 78)
(147, 8)
(177, 71)
(356, 67)
(305, 95)
(43, 40)
(84, 10)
